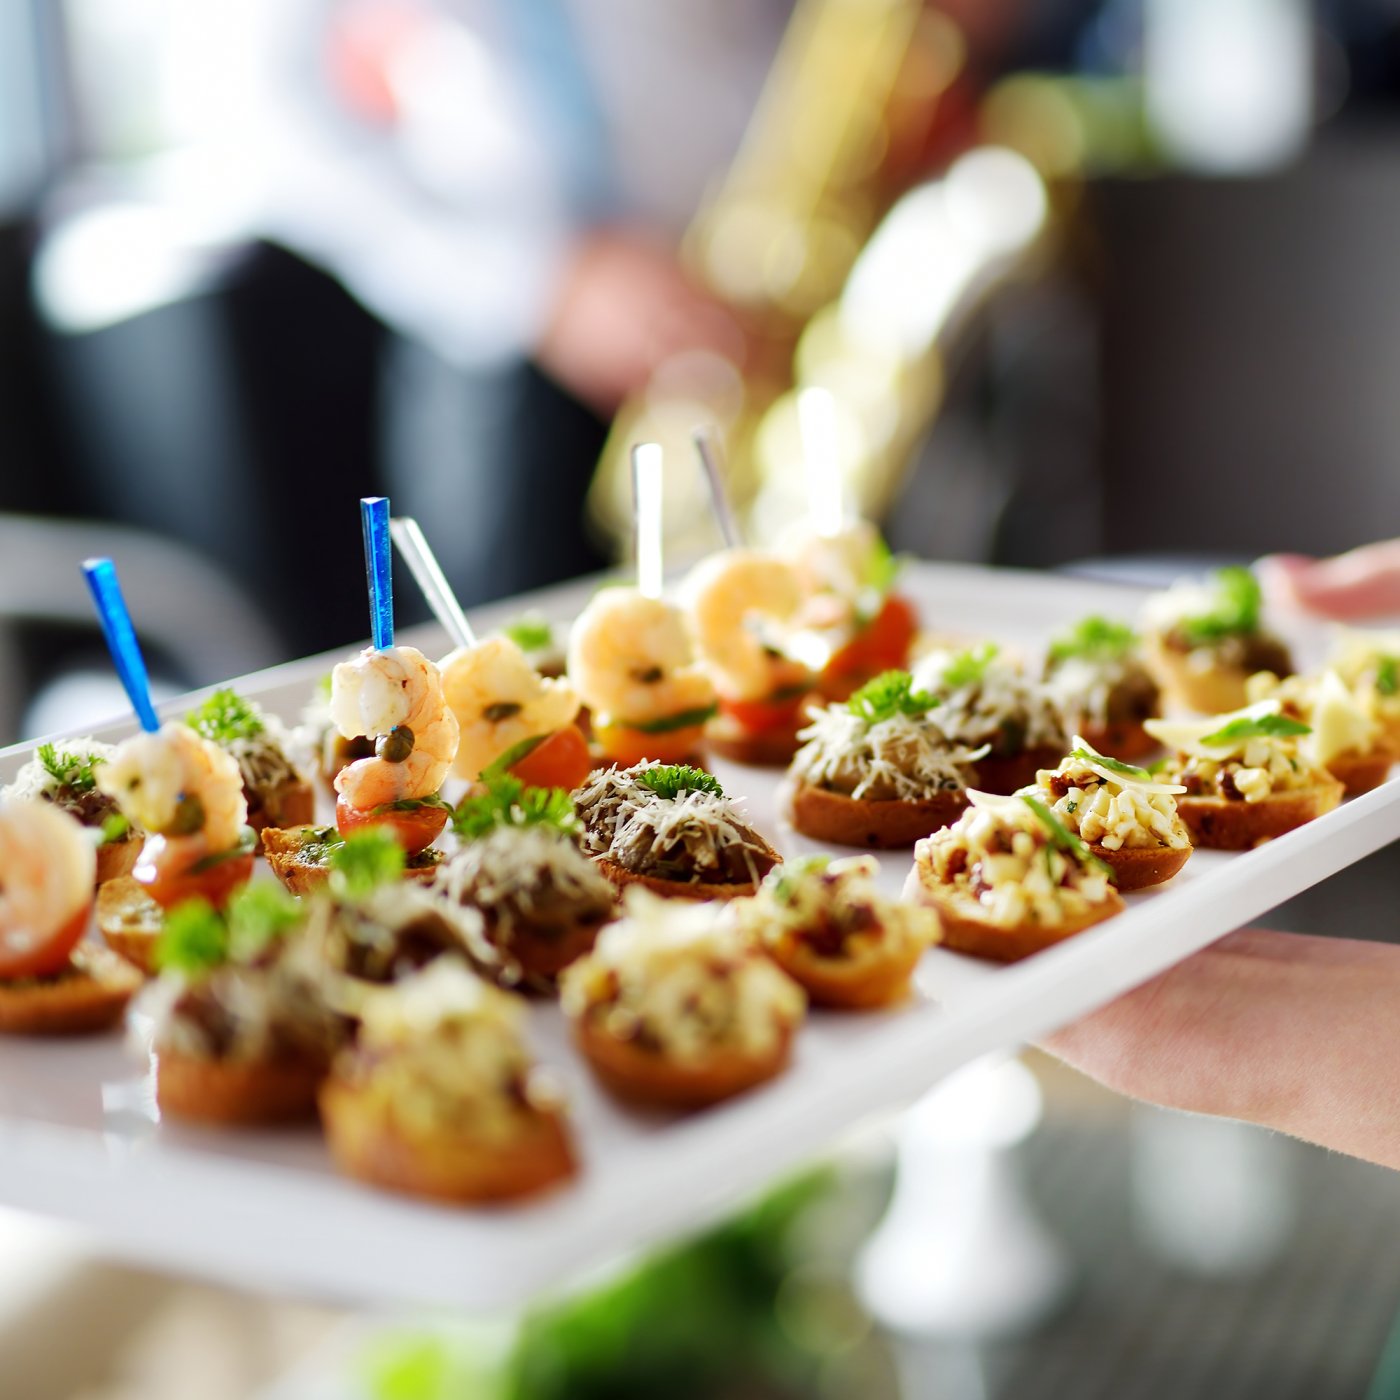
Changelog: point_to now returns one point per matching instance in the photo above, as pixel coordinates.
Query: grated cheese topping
(1003, 707)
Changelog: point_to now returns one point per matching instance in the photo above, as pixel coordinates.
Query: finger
(1362, 583)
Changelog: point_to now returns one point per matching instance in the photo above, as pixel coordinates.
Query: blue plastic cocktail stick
(101, 577)
(379, 567)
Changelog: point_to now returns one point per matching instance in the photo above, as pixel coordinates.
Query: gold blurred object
(847, 103)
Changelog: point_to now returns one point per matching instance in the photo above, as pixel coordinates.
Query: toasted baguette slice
(89, 995)
(680, 889)
(283, 849)
(1139, 867)
(1225, 824)
(1017, 770)
(118, 858)
(1210, 692)
(130, 921)
(646, 1076)
(1361, 772)
(292, 803)
(543, 953)
(1127, 741)
(764, 748)
(883, 826)
(447, 1167)
(230, 1092)
(877, 978)
(965, 930)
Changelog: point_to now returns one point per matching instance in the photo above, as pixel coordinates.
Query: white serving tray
(79, 1137)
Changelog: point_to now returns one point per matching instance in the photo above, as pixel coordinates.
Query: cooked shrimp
(175, 783)
(741, 600)
(396, 697)
(631, 661)
(47, 867)
(500, 700)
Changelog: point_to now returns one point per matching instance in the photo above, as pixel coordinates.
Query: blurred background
(1086, 280)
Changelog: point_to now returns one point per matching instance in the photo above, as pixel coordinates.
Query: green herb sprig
(1239, 601)
(364, 861)
(1388, 676)
(889, 695)
(672, 780)
(76, 771)
(197, 938)
(1114, 765)
(968, 667)
(225, 717)
(1094, 639)
(530, 632)
(506, 801)
(1262, 727)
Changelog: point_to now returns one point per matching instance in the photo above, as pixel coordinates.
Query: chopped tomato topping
(414, 829)
(173, 870)
(626, 745)
(48, 954)
(560, 761)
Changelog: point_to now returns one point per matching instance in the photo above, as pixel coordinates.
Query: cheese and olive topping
(1015, 862)
(1095, 673)
(255, 739)
(1342, 722)
(677, 978)
(1112, 804)
(984, 698)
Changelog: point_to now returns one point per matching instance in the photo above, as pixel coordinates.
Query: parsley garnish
(197, 938)
(968, 667)
(1238, 602)
(364, 861)
(70, 770)
(1062, 838)
(1388, 675)
(1114, 765)
(194, 939)
(672, 780)
(114, 828)
(506, 801)
(530, 632)
(1262, 727)
(889, 695)
(226, 716)
(1096, 638)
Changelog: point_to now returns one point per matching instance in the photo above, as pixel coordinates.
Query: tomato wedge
(626, 745)
(882, 645)
(415, 829)
(47, 956)
(172, 871)
(561, 760)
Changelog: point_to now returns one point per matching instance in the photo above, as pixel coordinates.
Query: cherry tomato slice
(49, 955)
(170, 872)
(626, 745)
(882, 645)
(414, 830)
(761, 716)
(560, 761)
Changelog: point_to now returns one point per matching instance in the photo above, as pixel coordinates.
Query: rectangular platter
(80, 1139)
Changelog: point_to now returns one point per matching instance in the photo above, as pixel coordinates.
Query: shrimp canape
(1246, 775)
(439, 1097)
(1008, 878)
(632, 664)
(1126, 817)
(828, 926)
(987, 702)
(51, 981)
(541, 900)
(67, 777)
(675, 1007)
(276, 792)
(1347, 738)
(239, 1035)
(1204, 640)
(741, 605)
(877, 770)
(671, 829)
(1369, 662)
(1097, 675)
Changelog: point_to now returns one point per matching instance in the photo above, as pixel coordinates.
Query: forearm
(1295, 1033)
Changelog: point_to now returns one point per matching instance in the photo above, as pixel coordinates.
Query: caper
(188, 818)
(650, 676)
(396, 745)
(502, 709)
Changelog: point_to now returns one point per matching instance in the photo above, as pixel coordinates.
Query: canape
(66, 775)
(301, 857)
(1126, 817)
(1009, 879)
(541, 900)
(671, 829)
(277, 793)
(1347, 738)
(877, 770)
(986, 701)
(1246, 776)
(439, 1097)
(1096, 672)
(238, 1036)
(828, 926)
(51, 982)
(1203, 641)
(1369, 662)
(675, 1008)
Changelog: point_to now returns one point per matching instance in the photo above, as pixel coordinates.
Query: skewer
(106, 589)
(646, 506)
(427, 572)
(826, 504)
(707, 446)
(379, 569)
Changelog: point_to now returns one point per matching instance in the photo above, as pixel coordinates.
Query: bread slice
(543, 953)
(292, 803)
(884, 826)
(234, 1092)
(1214, 691)
(90, 995)
(283, 849)
(966, 930)
(1017, 770)
(878, 977)
(641, 1075)
(118, 858)
(680, 889)
(1228, 824)
(1361, 772)
(130, 921)
(379, 1150)
(1140, 867)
